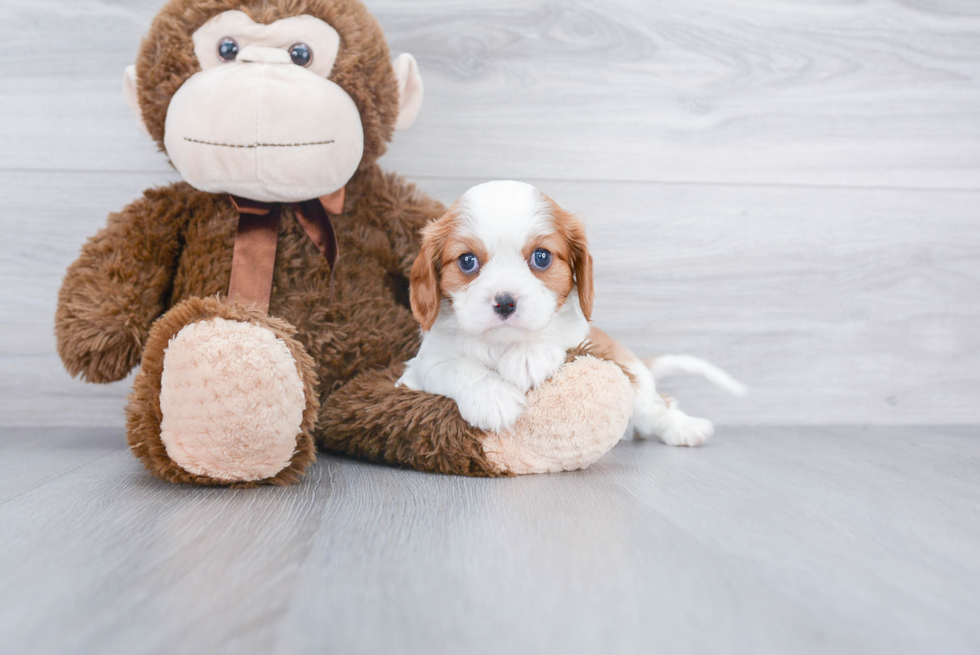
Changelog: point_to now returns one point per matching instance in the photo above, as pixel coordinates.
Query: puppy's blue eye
(468, 263)
(541, 259)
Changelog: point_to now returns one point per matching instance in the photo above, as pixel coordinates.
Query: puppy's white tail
(666, 366)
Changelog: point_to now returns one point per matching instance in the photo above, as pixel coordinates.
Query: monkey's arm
(119, 286)
(372, 419)
(569, 422)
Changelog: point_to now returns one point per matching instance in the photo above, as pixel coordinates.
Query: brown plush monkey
(265, 297)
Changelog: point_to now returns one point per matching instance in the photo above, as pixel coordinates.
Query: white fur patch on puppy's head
(504, 259)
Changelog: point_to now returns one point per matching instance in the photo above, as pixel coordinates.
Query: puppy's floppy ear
(424, 290)
(582, 266)
(573, 231)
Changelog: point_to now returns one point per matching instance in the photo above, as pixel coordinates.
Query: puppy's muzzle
(504, 304)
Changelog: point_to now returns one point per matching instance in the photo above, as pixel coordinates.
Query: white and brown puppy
(503, 288)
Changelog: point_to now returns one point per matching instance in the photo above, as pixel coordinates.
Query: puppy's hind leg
(656, 415)
(653, 415)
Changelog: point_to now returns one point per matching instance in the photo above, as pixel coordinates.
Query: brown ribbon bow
(254, 259)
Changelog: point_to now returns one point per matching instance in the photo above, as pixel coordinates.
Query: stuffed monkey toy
(265, 297)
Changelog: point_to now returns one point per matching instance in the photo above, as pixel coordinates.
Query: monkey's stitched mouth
(259, 145)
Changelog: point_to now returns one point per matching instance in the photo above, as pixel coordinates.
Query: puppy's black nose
(504, 304)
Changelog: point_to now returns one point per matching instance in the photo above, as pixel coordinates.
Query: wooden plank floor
(791, 189)
(769, 540)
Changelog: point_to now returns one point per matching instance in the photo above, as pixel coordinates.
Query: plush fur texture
(354, 320)
(371, 419)
(164, 263)
(568, 424)
(232, 400)
(557, 432)
(144, 414)
(363, 67)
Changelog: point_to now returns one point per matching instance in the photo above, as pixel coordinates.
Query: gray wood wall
(789, 188)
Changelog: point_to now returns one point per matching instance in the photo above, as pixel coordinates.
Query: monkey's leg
(225, 396)
(570, 422)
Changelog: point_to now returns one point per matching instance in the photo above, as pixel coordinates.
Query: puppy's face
(507, 257)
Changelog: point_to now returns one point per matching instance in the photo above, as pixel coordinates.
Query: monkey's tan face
(261, 120)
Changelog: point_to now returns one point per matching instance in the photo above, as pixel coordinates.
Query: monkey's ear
(410, 90)
(132, 98)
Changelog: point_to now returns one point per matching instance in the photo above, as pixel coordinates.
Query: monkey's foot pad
(232, 401)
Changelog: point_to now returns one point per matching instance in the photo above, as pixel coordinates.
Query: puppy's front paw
(493, 405)
(684, 430)
(530, 367)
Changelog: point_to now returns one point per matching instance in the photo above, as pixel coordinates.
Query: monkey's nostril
(504, 304)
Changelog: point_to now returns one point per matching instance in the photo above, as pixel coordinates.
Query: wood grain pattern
(834, 305)
(791, 189)
(769, 540)
(825, 93)
(850, 304)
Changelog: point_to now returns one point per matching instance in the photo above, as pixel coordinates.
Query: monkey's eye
(301, 54)
(228, 49)
(468, 263)
(540, 259)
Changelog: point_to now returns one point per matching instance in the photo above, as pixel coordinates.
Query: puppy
(502, 288)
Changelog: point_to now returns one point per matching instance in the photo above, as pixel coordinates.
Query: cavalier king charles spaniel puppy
(502, 288)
